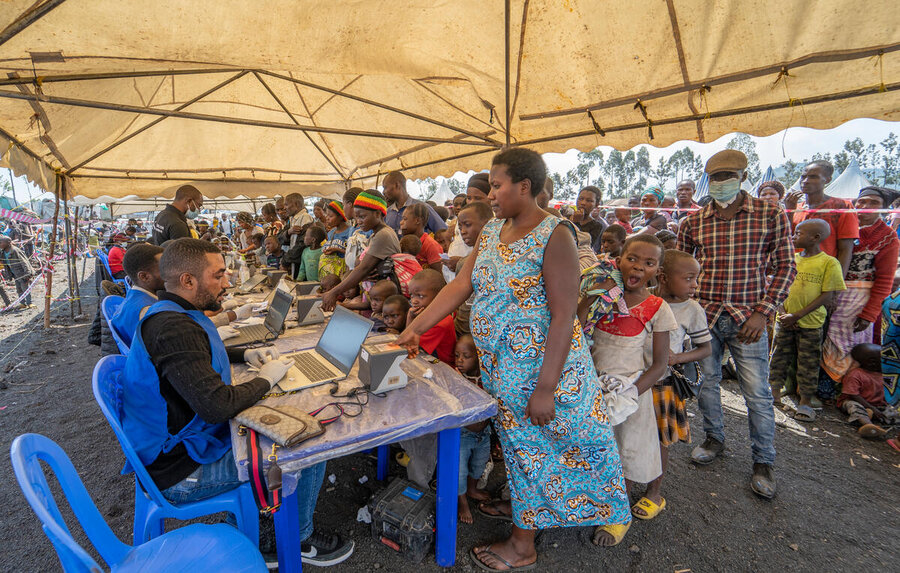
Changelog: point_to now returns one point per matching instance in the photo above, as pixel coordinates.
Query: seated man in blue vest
(141, 264)
(178, 396)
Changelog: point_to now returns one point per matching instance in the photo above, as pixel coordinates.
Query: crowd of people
(592, 326)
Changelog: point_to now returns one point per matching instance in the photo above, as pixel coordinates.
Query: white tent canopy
(848, 183)
(135, 98)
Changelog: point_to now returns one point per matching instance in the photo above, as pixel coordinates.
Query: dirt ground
(836, 508)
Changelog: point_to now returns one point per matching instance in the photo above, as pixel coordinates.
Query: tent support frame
(27, 18)
(48, 272)
(56, 100)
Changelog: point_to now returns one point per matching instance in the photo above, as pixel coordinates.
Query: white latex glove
(259, 356)
(226, 332)
(274, 370)
(230, 304)
(244, 311)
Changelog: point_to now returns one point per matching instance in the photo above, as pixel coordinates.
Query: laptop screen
(278, 310)
(343, 337)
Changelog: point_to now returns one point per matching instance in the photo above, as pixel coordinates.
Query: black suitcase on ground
(403, 518)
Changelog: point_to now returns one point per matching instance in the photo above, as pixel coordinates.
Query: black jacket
(170, 224)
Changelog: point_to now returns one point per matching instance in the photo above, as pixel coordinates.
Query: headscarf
(888, 196)
(656, 192)
(370, 201)
(776, 185)
(480, 181)
(244, 217)
(338, 208)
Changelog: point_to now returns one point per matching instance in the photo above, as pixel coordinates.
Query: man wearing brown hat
(734, 238)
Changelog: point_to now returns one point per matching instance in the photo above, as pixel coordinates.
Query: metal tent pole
(49, 271)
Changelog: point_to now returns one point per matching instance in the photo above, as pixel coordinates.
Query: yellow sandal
(650, 508)
(616, 530)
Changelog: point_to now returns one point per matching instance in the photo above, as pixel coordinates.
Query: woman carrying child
(561, 459)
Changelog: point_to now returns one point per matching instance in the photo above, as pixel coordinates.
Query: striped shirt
(734, 254)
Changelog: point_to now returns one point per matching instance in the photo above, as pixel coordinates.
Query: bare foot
(495, 554)
(477, 494)
(602, 538)
(463, 511)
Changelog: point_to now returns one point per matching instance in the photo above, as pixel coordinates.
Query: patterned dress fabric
(568, 472)
(890, 348)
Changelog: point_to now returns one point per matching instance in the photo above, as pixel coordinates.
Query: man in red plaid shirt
(734, 238)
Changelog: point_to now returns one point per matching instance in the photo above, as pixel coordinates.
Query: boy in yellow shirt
(799, 327)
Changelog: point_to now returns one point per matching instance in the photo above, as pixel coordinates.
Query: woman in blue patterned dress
(561, 458)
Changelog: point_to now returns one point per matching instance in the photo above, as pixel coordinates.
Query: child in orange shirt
(440, 340)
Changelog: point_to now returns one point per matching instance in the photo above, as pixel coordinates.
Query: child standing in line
(308, 269)
(636, 345)
(612, 240)
(474, 439)
(799, 328)
(470, 220)
(394, 312)
(332, 258)
(413, 222)
(379, 292)
(274, 252)
(677, 284)
(440, 340)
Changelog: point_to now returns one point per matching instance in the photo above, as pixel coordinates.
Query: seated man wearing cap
(177, 395)
(735, 238)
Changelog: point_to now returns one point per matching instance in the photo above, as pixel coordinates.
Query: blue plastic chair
(150, 507)
(195, 548)
(109, 307)
(104, 258)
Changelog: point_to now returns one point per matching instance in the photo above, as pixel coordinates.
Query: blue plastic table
(441, 403)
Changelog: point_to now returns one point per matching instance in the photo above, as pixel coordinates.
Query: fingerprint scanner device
(334, 354)
(271, 328)
(379, 364)
(309, 310)
(251, 283)
(274, 276)
(306, 287)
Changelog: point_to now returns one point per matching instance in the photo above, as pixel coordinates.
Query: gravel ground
(836, 508)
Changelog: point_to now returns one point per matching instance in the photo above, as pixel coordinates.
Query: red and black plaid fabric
(734, 255)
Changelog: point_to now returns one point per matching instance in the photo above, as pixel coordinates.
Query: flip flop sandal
(498, 516)
(651, 509)
(894, 444)
(617, 530)
(871, 431)
(805, 414)
(484, 567)
(402, 458)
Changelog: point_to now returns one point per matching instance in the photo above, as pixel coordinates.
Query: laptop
(271, 328)
(306, 287)
(251, 283)
(334, 354)
(309, 310)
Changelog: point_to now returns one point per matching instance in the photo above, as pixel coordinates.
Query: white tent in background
(443, 194)
(747, 185)
(769, 175)
(848, 183)
(702, 187)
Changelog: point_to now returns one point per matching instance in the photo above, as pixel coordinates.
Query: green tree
(742, 142)
(456, 186)
(889, 160)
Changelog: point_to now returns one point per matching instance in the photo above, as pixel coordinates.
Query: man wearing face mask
(171, 223)
(734, 238)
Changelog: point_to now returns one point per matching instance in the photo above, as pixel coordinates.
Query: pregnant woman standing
(561, 458)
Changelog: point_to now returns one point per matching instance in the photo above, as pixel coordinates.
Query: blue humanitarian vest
(144, 412)
(129, 314)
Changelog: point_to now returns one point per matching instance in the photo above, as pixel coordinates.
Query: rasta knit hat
(338, 208)
(371, 201)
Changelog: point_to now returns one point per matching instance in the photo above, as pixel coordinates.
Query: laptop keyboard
(309, 365)
(253, 333)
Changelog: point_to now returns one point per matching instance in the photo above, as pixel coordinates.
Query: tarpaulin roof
(135, 98)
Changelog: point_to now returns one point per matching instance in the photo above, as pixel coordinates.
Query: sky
(794, 143)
